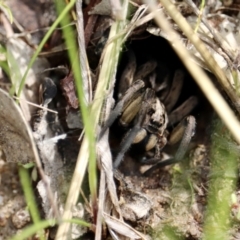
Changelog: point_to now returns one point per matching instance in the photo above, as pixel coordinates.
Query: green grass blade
(30, 231)
(79, 222)
(70, 40)
(29, 195)
(46, 37)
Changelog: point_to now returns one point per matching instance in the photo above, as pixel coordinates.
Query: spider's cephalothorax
(145, 107)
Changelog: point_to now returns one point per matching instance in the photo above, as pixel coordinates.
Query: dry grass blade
(212, 94)
(106, 79)
(122, 228)
(217, 38)
(206, 55)
(101, 202)
(106, 182)
(83, 55)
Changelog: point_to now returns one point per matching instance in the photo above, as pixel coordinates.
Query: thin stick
(36, 105)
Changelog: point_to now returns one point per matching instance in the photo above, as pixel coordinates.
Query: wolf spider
(148, 115)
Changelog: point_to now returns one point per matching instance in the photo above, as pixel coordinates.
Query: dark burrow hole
(158, 49)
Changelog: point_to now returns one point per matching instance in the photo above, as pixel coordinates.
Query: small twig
(90, 22)
(36, 105)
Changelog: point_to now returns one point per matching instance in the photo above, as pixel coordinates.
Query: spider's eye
(156, 124)
(151, 111)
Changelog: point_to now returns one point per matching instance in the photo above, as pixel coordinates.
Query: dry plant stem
(105, 157)
(110, 182)
(216, 48)
(123, 228)
(136, 21)
(101, 197)
(9, 34)
(78, 175)
(109, 60)
(105, 160)
(36, 105)
(217, 38)
(7, 26)
(86, 76)
(213, 95)
(103, 149)
(206, 55)
(140, 21)
(89, 28)
(136, 18)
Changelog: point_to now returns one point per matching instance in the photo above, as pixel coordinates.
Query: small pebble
(21, 218)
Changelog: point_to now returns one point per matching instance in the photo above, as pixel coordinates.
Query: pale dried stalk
(213, 95)
(217, 37)
(101, 196)
(36, 105)
(86, 76)
(206, 55)
(109, 62)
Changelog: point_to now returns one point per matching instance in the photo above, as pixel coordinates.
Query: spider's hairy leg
(175, 90)
(127, 76)
(145, 69)
(138, 122)
(131, 109)
(184, 130)
(189, 126)
(183, 110)
(136, 86)
(47, 91)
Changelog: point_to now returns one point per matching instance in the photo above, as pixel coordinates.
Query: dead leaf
(19, 55)
(122, 228)
(15, 135)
